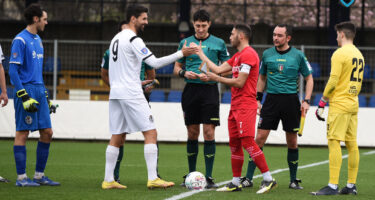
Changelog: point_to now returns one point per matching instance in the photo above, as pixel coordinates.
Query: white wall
(89, 120)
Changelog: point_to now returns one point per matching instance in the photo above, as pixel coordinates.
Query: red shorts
(241, 123)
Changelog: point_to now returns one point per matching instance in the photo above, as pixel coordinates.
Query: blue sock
(42, 152)
(20, 158)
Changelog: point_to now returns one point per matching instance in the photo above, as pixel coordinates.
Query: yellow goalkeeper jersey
(345, 81)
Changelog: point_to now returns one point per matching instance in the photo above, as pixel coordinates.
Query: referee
(279, 70)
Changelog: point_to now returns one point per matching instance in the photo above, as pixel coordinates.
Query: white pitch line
(192, 192)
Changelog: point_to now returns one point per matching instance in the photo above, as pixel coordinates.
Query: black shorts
(200, 104)
(284, 107)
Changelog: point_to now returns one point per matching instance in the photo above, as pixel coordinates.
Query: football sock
(353, 161)
(116, 173)
(293, 163)
(20, 158)
(21, 176)
(236, 156)
(333, 186)
(42, 152)
(255, 152)
(38, 175)
(192, 154)
(335, 160)
(151, 157)
(267, 176)
(236, 181)
(111, 155)
(209, 156)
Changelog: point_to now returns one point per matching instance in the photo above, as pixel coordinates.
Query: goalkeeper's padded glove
(319, 112)
(52, 108)
(29, 104)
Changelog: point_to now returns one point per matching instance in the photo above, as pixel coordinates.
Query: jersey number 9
(115, 50)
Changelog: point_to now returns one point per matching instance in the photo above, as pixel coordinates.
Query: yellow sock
(353, 161)
(335, 160)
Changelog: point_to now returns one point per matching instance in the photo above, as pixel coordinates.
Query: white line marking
(190, 193)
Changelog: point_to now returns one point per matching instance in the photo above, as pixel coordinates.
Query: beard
(235, 43)
(140, 28)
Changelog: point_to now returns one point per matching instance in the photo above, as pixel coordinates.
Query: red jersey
(245, 97)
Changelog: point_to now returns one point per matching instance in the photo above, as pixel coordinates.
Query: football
(195, 181)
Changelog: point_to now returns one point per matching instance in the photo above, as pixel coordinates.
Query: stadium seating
(6, 63)
(226, 97)
(371, 103)
(367, 72)
(316, 69)
(168, 69)
(317, 99)
(157, 96)
(362, 101)
(48, 64)
(174, 96)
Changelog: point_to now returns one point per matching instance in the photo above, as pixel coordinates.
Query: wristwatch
(307, 101)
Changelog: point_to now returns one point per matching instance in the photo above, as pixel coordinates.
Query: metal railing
(75, 65)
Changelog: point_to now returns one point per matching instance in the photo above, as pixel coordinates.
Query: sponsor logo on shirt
(35, 55)
(144, 50)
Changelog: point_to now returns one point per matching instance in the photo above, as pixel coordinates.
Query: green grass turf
(79, 166)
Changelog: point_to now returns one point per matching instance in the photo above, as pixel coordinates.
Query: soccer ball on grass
(195, 181)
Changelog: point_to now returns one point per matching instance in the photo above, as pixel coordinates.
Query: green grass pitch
(79, 166)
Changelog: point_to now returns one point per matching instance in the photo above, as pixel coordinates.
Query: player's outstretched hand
(4, 99)
(191, 75)
(187, 51)
(203, 77)
(212, 76)
(29, 104)
(148, 85)
(319, 112)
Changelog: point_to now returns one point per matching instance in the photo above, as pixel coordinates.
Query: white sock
(38, 175)
(267, 176)
(111, 155)
(21, 176)
(333, 186)
(151, 157)
(236, 181)
(350, 185)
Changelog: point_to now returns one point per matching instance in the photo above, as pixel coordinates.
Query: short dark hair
(120, 25)
(245, 29)
(348, 28)
(31, 11)
(289, 29)
(135, 10)
(201, 15)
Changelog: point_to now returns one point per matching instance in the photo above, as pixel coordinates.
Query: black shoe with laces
(246, 182)
(210, 183)
(183, 182)
(347, 190)
(326, 191)
(295, 185)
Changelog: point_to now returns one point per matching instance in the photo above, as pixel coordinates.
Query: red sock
(237, 156)
(256, 154)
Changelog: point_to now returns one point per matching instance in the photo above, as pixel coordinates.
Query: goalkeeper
(31, 104)
(280, 68)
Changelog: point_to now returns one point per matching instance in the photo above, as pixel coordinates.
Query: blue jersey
(27, 53)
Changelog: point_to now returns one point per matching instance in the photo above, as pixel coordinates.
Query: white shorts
(129, 116)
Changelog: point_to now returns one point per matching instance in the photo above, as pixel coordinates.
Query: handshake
(193, 48)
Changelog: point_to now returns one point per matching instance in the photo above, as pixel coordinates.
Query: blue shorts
(32, 121)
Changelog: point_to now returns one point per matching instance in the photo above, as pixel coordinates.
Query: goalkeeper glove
(29, 104)
(319, 112)
(52, 108)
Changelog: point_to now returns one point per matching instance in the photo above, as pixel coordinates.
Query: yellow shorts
(342, 126)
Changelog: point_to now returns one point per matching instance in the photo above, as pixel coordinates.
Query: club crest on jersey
(281, 68)
(15, 55)
(144, 50)
(28, 119)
